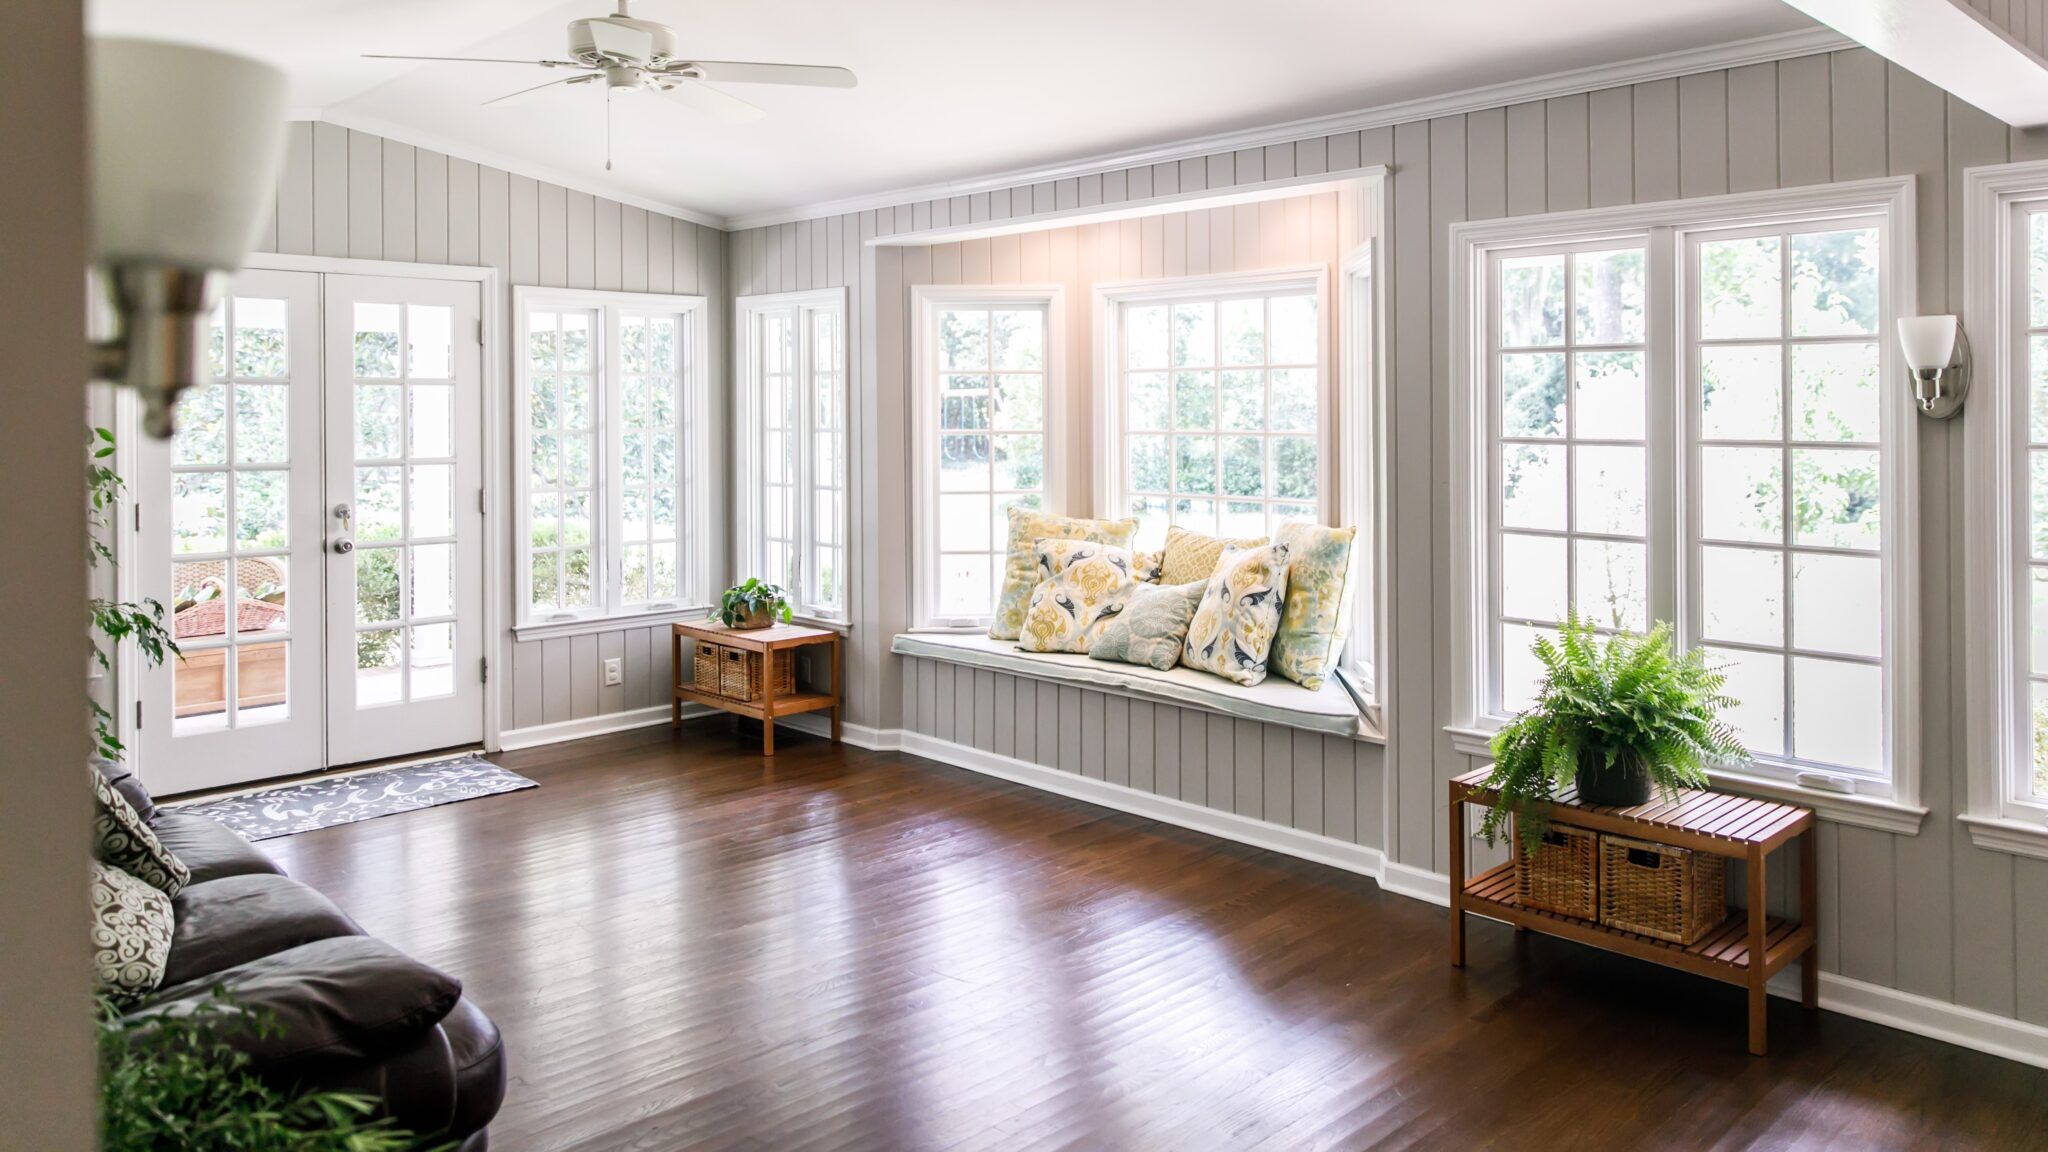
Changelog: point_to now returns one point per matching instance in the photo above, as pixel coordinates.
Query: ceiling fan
(629, 55)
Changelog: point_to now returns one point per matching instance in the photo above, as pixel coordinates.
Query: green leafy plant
(743, 600)
(114, 622)
(1632, 701)
(171, 1082)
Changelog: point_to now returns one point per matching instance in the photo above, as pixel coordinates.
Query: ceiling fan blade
(475, 60)
(537, 87)
(706, 99)
(620, 42)
(740, 72)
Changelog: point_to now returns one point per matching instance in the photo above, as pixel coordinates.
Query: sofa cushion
(209, 848)
(1150, 626)
(129, 785)
(236, 919)
(131, 934)
(479, 1055)
(1020, 569)
(340, 999)
(122, 840)
(1232, 633)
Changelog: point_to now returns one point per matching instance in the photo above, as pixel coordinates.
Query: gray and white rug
(311, 804)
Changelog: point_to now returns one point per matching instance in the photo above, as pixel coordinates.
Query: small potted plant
(1617, 719)
(753, 605)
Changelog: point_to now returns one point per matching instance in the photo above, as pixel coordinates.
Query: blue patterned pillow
(1151, 625)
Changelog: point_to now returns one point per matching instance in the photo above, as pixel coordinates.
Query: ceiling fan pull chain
(608, 118)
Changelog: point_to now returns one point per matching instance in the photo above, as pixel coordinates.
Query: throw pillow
(1083, 596)
(1152, 625)
(1027, 527)
(1232, 632)
(120, 838)
(1317, 618)
(1191, 556)
(131, 934)
(1146, 566)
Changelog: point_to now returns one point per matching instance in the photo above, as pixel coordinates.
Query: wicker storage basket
(1656, 890)
(1562, 875)
(707, 667)
(740, 674)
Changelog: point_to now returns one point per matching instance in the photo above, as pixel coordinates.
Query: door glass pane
(379, 680)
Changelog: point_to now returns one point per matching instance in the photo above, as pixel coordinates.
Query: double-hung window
(987, 372)
(1220, 412)
(2006, 228)
(1678, 412)
(609, 411)
(793, 450)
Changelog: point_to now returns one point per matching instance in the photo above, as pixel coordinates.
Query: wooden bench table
(766, 642)
(1746, 949)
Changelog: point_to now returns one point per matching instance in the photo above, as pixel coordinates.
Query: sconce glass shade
(1929, 342)
(186, 147)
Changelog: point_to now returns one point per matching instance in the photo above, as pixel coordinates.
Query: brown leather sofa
(353, 1013)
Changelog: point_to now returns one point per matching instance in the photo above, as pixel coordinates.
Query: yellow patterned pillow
(1317, 618)
(1146, 566)
(1233, 629)
(1083, 595)
(1191, 556)
(1027, 527)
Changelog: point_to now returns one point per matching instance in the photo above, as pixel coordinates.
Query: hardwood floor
(689, 947)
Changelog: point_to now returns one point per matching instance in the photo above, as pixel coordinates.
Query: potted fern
(1618, 719)
(753, 604)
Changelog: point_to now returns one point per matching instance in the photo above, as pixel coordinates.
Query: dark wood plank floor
(689, 947)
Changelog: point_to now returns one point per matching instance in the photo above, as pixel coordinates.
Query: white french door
(311, 638)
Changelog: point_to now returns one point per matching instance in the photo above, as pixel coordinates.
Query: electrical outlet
(614, 672)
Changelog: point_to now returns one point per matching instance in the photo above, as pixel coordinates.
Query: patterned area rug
(311, 804)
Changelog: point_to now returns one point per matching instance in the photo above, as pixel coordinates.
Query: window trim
(926, 301)
(1996, 198)
(748, 540)
(1664, 226)
(693, 442)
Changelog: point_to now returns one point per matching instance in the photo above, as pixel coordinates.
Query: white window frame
(1891, 804)
(927, 300)
(750, 508)
(692, 451)
(1997, 200)
(1361, 466)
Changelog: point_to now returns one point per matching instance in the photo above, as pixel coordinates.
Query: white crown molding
(1760, 50)
(405, 134)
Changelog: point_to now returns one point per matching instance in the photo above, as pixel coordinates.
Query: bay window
(609, 402)
(793, 446)
(1677, 412)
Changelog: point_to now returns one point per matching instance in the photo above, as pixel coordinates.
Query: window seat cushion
(1275, 701)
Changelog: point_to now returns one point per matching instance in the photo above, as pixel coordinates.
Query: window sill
(587, 625)
(843, 627)
(1276, 701)
(2004, 834)
(1876, 812)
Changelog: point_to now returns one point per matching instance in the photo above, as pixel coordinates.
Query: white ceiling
(949, 89)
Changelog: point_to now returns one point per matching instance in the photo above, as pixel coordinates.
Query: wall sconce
(1938, 356)
(186, 147)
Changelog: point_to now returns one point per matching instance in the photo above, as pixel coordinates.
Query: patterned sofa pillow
(131, 934)
(1152, 625)
(1317, 617)
(1084, 594)
(1191, 556)
(1027, 527)
(120, 838)
(1232, 633)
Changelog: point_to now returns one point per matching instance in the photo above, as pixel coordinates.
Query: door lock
(344, 546)
(342, 512)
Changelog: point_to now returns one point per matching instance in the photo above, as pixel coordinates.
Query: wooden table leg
(767, 703)
(1457, 877)
(838, 688)
(1809, 914)
(1758, 914)
(675, 700)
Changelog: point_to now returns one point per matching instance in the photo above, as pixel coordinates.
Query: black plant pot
(1623, 784)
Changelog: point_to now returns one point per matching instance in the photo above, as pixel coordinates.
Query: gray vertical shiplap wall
(353, 194)
(2026, 21)
(1929, 914)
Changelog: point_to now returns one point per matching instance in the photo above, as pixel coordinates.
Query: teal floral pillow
(1317, 617)
(1232, 632)
(1150, 625)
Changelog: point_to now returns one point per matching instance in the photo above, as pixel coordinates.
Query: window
(2006, 225)
(1220, 420)
(988, 379)
(610, 413)
(793, 456)
(1674, 412)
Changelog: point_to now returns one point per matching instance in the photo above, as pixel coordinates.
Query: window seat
(1276, 701)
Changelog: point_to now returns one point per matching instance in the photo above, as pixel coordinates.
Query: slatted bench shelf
(1737, 827)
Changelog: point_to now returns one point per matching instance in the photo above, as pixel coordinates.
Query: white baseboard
(538, 734)
(858, 735)
(1937, 1019)
(1419, 883)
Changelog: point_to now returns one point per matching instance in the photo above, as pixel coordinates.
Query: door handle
(344, 546)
